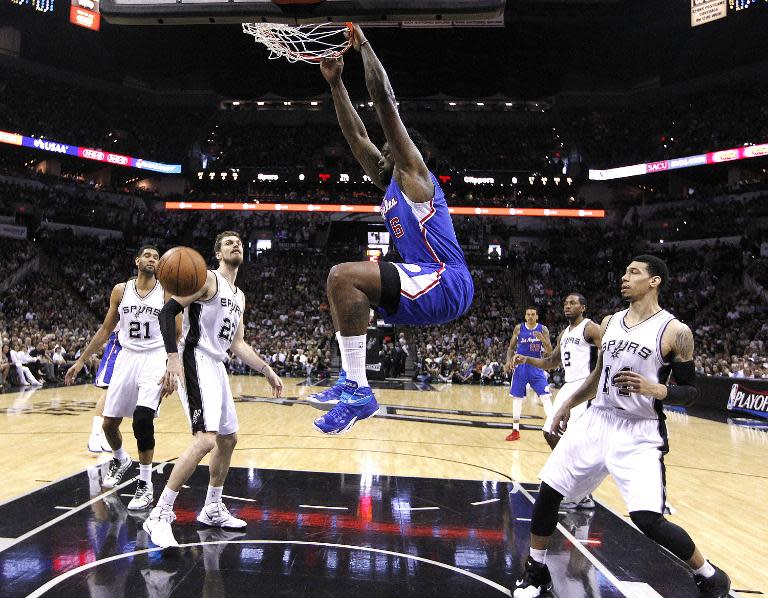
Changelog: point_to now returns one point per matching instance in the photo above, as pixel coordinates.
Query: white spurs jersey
(139, 326)
(211, 325)
(636, 348)
(575, 352)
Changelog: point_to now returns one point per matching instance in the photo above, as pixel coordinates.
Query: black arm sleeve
(167, 320)
(685, 392)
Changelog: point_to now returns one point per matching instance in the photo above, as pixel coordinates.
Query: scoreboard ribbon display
(729, 155)
(57, 147)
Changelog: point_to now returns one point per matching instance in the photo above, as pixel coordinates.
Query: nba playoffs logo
(748, 400)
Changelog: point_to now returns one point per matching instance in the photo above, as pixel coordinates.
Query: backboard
(176, 12)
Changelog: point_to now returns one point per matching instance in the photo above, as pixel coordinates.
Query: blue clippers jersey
(422, 232)
(527, 344)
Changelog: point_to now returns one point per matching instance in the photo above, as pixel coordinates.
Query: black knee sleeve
(545, 511)
(144, 428)
(672, 537)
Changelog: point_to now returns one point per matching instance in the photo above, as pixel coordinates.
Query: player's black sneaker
(536, 581)
(716, 586)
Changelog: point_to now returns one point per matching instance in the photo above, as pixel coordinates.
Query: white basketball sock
(517, 410)
(353, 348)
(96, 426)
(145, 473)
(540, 556)
(214, 494)
(344, 364)
(547, 403)
(120, 454)
(706, 570)
(168, 497)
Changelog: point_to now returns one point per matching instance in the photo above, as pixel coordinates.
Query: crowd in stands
(123, 121)
(58, 305)
(656, 129)
(62, 303)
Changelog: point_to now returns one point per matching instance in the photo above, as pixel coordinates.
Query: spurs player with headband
(133, 391)
(574, 352)
(530, 339)
(433, 287)
(213, 325)
(623, 432)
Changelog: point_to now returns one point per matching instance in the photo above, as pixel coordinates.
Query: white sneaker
(94, 443)
(117, 470)
(143, 498)
(104, 444)
(158, 526)
(216, 514)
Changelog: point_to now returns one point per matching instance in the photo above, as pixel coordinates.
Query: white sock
(214, 494)
(517, 410)
(120, 454)
(540, 556)
(96, 426)
(344, 364)
(547, 402)
(145, 473)
(168, 497)
(706, 570)
(353, 347)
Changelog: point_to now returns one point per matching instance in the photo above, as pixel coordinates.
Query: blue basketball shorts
(527, 374)
(107, 363)
(431, 293)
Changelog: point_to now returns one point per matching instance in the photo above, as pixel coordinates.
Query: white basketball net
(305, 43)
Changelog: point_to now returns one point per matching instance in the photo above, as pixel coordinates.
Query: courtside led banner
(87, 153)
(738, 153)
(309, 207)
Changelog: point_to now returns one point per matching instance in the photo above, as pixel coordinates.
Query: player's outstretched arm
(550, 362)
(593, 334)
(546, 340)
(248, 356)
(509, 363)
(413, 172)
(352, 127)
(101, 336)
(168, 328)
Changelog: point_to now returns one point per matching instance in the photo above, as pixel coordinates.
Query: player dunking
(623, 433)
(133, 391)
(213, 325)
(529, 339)
(573, 351)
(433, 287)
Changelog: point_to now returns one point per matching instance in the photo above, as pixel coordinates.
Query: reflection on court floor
(318, 534)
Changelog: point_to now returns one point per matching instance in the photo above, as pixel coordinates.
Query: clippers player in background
(433, 287)
(97, 442)
(529, 339)
(623, 432)
(133, 391)
(213, 325)
(573, 351)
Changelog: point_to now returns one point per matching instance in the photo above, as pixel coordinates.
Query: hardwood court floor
(717, 481)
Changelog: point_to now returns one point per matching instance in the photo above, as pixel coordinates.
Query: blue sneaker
(330, 396)
(343, 416)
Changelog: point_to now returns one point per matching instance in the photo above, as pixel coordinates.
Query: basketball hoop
(306, 43)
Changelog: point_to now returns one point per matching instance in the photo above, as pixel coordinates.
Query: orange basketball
(182, 271)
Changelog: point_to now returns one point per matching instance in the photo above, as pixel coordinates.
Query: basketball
(182, 271)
